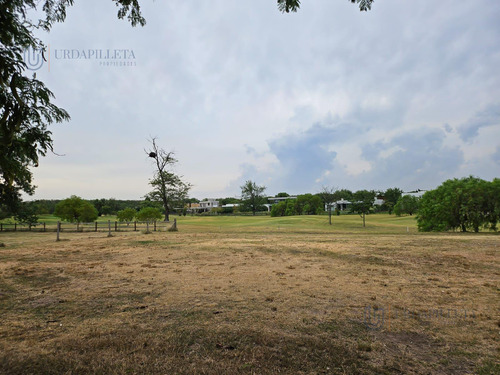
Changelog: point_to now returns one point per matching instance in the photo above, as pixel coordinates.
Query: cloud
(490, 116)
(357, 155)
(496, 156)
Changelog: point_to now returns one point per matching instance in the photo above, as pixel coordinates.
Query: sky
(406, 95)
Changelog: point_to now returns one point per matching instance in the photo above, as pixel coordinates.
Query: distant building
(344, 205)
(340, 205)
(208, 204)
(203, 206)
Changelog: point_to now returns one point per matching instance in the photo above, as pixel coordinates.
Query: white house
(340, 205)
(208, 204)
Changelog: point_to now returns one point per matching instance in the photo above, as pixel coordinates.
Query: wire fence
(110, 226)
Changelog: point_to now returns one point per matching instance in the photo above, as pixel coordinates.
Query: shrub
(126, 214)
(149, 214)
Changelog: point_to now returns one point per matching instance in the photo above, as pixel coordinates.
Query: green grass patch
(376, 223)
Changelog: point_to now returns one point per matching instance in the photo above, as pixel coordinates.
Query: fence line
(95, 226)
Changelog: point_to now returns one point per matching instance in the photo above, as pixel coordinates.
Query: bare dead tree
(168, 187)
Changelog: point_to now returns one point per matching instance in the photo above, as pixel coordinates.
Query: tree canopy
(363, 202)
(252, 196)
(468, 203)
(391, 197)
(76, 210)
(127, 214)
(287, 6)
(149, 214)
(407, 204)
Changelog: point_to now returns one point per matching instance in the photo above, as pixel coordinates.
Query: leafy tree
(363, 203)
(282, 195)
(149, 214)
(308, 204)
(126, 214)
(328, 197)
(106, 206)
(279, 209)
(75, 209)
(290, 208)
(391, 197)
(407, 204)
(433, 215)
(252, 196)
(466, 204)
(494, 203)
(26, 107)
(168, 187)
(27, 213)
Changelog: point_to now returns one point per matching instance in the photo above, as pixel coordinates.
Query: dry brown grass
(245, 302)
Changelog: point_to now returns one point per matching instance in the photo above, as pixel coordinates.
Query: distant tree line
(467, 204)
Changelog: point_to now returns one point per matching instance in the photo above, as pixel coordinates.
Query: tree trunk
(165, 207)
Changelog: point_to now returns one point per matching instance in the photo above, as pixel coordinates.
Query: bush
(126, 214)
(279, 209)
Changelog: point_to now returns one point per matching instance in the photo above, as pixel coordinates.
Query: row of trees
(465, 204)
(78, 210)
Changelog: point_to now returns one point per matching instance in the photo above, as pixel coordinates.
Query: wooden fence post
(116, 226)
(44, 228)
(135, 226)
(15, 227)
(109, 228)
(154, 226)
(58, 230)
(95, 230)
(1, 227)
(173, 228)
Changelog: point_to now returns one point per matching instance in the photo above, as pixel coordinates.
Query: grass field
(252, 295)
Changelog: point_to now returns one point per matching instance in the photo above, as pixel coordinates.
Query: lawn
(252, 295)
